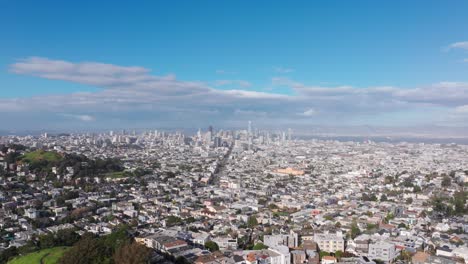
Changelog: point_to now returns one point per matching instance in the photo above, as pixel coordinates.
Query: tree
(383, 198)
(47, 241)
(116, 239)
(328, 217)
(252, 221)
(405, 256)
(446, 181)
(181, 260)
(272, 206)
(402, 225)
(88, 250)
(173, 220)
(67, 237)
(8, 254)
(409, 200)
(389, 179)
(91, 249)
(28, 248)
(423, 214)
(12, 157)
(438, 204)
(408, 182)
(190, 220)
(441, 206)
(259, 246)
(3, 172)
(132, 253)
(355, 231)
(64, 237)
(366, 197)
(416, 189)
(389, 217)
(211, 246)
(459, 200)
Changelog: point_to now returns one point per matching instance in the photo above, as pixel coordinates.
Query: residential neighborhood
(245, 196)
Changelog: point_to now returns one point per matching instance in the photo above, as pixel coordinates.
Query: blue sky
(270, 47)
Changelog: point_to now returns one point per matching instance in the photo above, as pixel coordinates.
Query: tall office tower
(283, 136)
(199, 135)
(111, 133)
(207, 139)
(210, 130)
(289, 134)
(217, 142)
(249, 135)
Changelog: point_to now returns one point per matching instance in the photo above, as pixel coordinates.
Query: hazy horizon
(354, 133)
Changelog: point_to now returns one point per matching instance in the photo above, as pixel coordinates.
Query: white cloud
(443, 93)
(463, 109)
(225, 72)
(250, 113)
(240, 83)
(132, 95)
(283, 81)
(309, 112)
(84, 118)
(41, 66)
(253, 94)
(283, 70)
(90, 73)
(458, 45)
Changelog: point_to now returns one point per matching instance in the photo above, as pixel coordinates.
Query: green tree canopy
(211, 246)
(252, 221)
(88, 250)
(132, 253)
(446, 181)
(259, 246)
(355, 231)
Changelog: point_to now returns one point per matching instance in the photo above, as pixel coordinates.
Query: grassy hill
(45, 256)
(115, 175)
(41, 155)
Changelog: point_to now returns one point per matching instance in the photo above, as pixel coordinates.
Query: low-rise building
(382, 250)
(329, 242)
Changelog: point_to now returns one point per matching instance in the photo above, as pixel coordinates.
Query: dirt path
(43, 257)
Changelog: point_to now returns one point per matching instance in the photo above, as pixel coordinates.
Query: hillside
(41, 155)
(45, 256)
